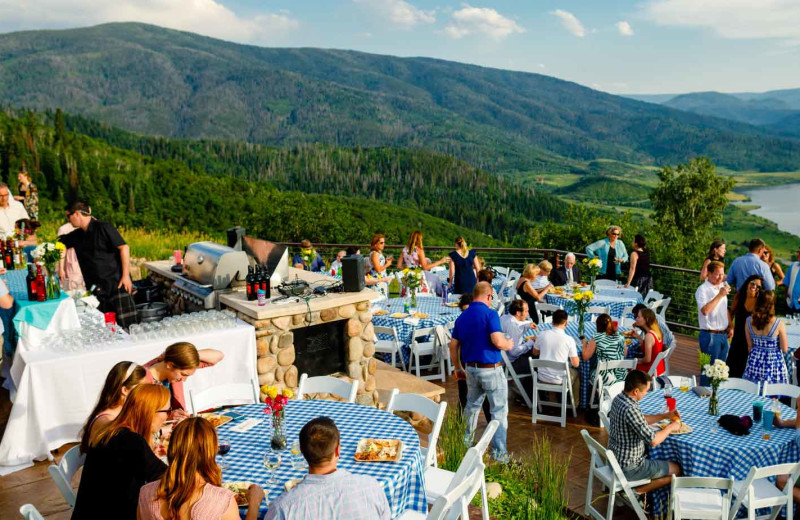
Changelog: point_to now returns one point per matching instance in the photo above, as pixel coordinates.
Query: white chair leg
(610, 509)
(564, 394)
(535, 402)
(416, 360)
(484, 500)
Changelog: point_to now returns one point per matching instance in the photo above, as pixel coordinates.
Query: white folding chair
(512, 289)
(453, 504)
(757, 492)
(626, 311)
(607, 397)
(564, 388)
(657, 361)
(327, 385)
(430, 409)
(223, 395)
(735, 383)
(604, 366)
(389, 346)
(444, 333)
(546, 311)
(421, 347)
(29, 512)
(512, 374)
(652, 295)
(63, 472)
(660, 307)
(605, 423)
(704, 498)
(501, 271)
(438, 481)
(598, 309)
(605, 468)
(776, 389)
(627, 323)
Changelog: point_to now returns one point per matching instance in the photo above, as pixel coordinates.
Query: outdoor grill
(208, 268)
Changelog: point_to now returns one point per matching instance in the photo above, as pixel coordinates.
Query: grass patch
(451, 439)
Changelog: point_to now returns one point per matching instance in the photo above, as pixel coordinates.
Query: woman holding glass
(377, 263)
(611, 251)
(192, 488)
(744, 303)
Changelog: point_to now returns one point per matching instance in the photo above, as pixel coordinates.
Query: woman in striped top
(609, 345)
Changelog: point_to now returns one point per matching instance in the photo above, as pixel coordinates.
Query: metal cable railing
(674, 282)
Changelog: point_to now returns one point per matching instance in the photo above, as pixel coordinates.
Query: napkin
(246, 425)
(701, 391)
(414, 322)
(736, 425)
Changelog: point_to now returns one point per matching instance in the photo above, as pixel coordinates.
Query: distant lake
(780, 204)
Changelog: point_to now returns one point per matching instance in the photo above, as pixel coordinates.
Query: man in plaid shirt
(630, 435)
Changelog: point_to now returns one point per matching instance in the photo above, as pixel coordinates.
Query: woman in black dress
(121, 460)
(743, 304)
(463, 268)
(639, 273)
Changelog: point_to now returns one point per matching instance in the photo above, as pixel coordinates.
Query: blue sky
(620, 46)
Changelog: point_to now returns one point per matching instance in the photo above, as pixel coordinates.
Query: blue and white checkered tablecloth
(403, 482)
(438, 314)
(709, 452)
(616, 303)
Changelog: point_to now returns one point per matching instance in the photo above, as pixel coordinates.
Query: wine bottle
(7, 255)
(264, 284)
(249, 281)
(41, 290)
(30, 284)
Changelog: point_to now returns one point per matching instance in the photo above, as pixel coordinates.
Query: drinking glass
(685, 384)
(298, 462)
(223, 447)
(272, 461)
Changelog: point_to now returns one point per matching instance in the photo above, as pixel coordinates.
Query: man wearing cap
(792, 282)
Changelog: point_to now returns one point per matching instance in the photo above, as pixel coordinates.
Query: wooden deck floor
(34, 485)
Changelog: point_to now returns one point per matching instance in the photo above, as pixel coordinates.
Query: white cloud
(570, 22)
(206, 17)
(400, 12)
(624, 28)
(481, 20)
(735, 19)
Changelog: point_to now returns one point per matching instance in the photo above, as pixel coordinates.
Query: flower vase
(592, 283)
(713, 402)
(581, 325)
(413, 292)
(53, 287)
(278, 440)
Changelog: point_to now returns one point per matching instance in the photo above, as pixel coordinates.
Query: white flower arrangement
(596, 262)
(717, 372)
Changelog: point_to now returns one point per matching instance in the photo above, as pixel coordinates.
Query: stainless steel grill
(208, 268)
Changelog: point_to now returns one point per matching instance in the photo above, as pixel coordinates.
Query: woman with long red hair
(121, 460)
(190, 489)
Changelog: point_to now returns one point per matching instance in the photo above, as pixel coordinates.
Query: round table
(616, 303)
(710, 451)
(402, 481)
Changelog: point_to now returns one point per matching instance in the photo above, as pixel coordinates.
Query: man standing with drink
(712, 314)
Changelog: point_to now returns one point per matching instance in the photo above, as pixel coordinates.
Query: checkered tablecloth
(439, 314)
(709, 452)
(403, 482)
(616, 303)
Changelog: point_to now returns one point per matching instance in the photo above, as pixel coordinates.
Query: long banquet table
(403, 481)
(57, 390)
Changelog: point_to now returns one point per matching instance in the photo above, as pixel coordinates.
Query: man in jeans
(630, 435)
(712, 315)
(477, 340)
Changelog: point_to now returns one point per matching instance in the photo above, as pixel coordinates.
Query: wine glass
(272, 461)
(223, 447)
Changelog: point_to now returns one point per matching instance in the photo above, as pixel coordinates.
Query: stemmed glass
(223, 447)
(272, 461)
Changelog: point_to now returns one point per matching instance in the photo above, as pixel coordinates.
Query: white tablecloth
(57, 391)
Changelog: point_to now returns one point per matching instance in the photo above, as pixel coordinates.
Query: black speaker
(353, 273)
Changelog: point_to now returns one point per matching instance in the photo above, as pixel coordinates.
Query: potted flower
(412, 279)
(276, 401)
(716, 373)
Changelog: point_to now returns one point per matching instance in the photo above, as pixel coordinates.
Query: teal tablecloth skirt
(37, 314)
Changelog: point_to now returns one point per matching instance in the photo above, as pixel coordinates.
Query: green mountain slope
(170, 83)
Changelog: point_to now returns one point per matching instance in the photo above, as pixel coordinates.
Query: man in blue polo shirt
(477, 341)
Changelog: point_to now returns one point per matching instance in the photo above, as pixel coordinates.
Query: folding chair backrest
(501, 270)
(598, 309)
(604, 422)
(327, 385)
(486, 438)
(725, 485)
(628, 364)
(420, 333)
(652, 294)
(388, 331)
(780, 389)
(603, 457)
(627, 311)
(441, 336)
(735, 383)
(657, 361)
(453, 504)
(433, 411)
(747, 489)
(537, 364)
(223, 395)
(29, 512)
(63, 472)
(627, 323)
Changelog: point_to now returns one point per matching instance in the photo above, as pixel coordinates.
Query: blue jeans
(489, 383)
(715, 345)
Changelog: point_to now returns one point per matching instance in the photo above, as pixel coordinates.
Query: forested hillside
(175, 84)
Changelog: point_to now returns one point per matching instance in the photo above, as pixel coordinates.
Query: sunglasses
(614, 234)
(755, 284)
(165, 410)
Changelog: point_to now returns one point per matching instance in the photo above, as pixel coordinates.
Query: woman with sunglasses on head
(191, 487)
(744, 303)
(178, 362)
(121, 459)
(121, 379)
(611, 251)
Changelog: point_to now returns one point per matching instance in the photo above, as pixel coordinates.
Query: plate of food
(683, 430)
(216, 419)
(421, 315)
(399, 315)
(380, 313)
(240, 490)
(379, 450)
(451, 304)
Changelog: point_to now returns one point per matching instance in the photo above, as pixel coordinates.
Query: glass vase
(581, 324)
(53, 287)
(592, 279)
(713, 402)
(413, 292)
(278, 440)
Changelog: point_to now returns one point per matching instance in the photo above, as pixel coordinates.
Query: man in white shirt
(518, 328)
(10, 211)
(712, 314)
(556, 345)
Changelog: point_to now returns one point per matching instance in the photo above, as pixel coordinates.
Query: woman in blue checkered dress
(766, 339)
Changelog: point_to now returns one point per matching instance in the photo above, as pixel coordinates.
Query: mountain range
(176, 84)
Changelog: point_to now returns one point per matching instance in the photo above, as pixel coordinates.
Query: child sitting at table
(178, 362)
(121, 379)
(790, 423)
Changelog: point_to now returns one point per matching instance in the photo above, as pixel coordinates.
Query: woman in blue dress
(463, 268)
(767, 341)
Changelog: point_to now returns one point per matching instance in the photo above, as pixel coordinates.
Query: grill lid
(215, 265)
